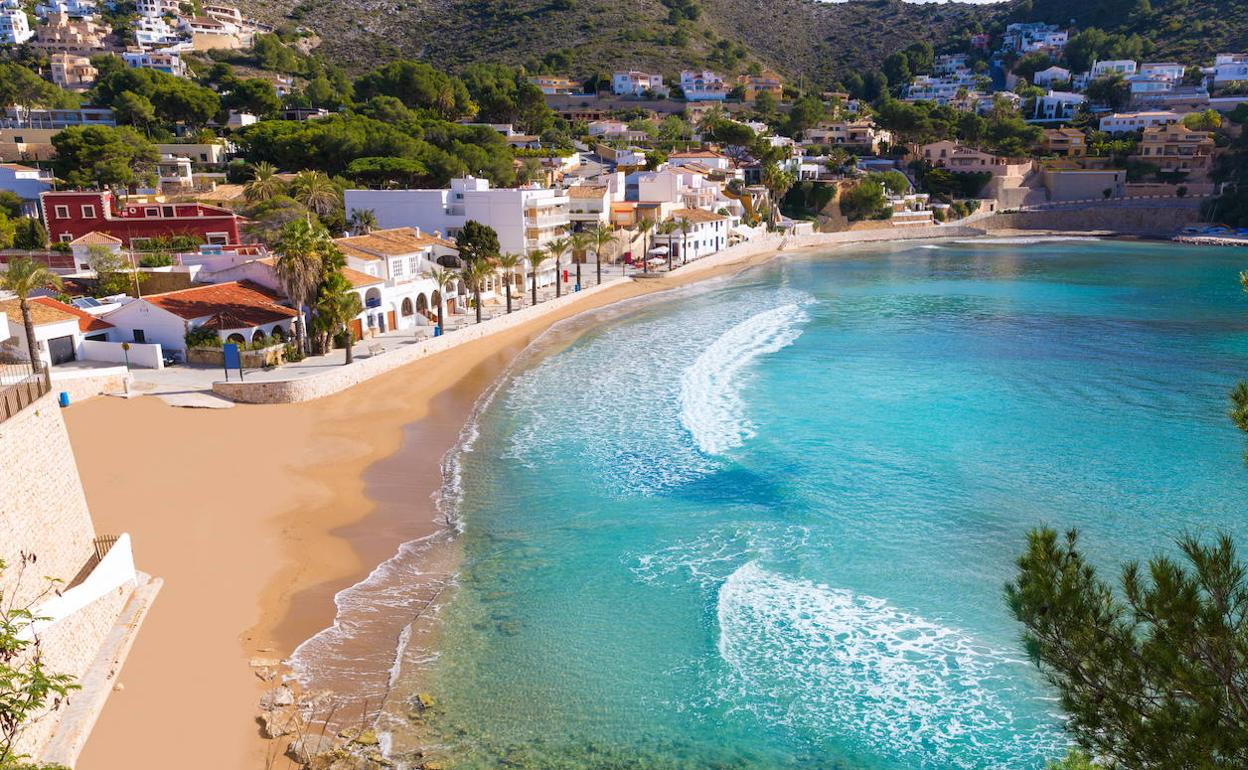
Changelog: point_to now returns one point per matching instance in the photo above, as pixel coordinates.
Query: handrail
(22, 391)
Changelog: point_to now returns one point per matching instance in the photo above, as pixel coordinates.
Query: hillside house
(70, 215)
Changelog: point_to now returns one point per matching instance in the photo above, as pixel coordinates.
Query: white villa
(703, 85)
(525, 218)
(634, 83)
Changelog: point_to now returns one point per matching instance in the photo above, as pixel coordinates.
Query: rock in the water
(423, 701)
(305, 747)
(278, 697)
(265, 662)
(367, 738)
(279, 722)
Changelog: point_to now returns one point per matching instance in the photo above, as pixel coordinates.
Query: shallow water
(766, 524)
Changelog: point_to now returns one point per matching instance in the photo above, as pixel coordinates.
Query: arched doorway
(258, 336)
(436, 302)
(422, 305)
(237, 339)
(278, 334)
(406, 307)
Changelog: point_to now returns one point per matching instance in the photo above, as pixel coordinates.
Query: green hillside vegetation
(822, 43)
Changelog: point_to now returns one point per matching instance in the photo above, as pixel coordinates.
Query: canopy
(659, 250)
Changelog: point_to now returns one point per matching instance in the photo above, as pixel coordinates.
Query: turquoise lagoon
(765, 522)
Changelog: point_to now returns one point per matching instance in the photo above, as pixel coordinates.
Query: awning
(659, 250)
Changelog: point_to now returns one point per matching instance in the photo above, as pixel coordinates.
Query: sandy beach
(257, 516)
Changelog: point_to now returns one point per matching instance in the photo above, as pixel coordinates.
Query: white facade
(14, 27)
(525, 218)
(708, 233)
(1120, 123)
(78, 9)
(1171, 71)
(27, 182)
(1229, 68)
(157, 7)
(1047, 77)
(1124, 67)
(154, 32)
(165, 61)
(703, 86)
(1057, 105)
(634, 83)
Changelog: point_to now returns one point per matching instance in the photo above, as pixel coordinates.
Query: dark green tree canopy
(88, 156)
(477, 242)
(1154, 675)
(419, 86)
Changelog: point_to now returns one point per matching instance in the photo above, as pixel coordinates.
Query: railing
(20, 386)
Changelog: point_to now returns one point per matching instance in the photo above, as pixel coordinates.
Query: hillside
(818, 41)
(797, 37)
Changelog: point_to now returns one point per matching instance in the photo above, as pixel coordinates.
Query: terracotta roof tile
(86, 321)
(95, 238)
(697, 215)
(233, 305)
(360, 279)
(41, 313)
(587, 191)
(389, 243)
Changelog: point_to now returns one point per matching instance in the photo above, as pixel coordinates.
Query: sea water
(766, 523)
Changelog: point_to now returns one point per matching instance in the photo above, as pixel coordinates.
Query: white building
(589, 206)
(158, 7)
(525, 218)
(1057, 105)
(167, 61)
(1124, 67)
(707, 234)
(1047, 77)
(1229, 68)
(392, 269)
(1172, 71)
(76, 9)
(1034, 36)
(14, 26)
(1121, 123)
(27, 182)
(703, 85)
(634, 83)
(154, 32)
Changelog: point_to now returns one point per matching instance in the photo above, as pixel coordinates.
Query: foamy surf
(711, 407)
(826, 662)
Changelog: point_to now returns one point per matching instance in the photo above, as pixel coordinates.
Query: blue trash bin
(63, 399)
(437, 330)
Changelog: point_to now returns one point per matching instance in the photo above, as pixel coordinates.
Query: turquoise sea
(765, 522)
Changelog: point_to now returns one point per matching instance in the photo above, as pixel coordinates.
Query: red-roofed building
(239, 311)
(71, 215)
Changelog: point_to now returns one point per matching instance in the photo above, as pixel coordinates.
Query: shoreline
(343, 482)
(256, 516)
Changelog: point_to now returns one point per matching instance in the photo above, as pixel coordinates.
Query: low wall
(342, 377)
(1161, 220)
(144, 355)
(273, 355)
(88, 383)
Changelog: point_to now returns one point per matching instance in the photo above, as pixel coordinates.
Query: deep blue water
(766, 523)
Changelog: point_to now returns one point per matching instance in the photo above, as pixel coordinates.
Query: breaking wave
(711, 408)
(833, 665)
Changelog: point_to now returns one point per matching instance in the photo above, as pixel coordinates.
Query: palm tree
(667, 228)
(363, 221)
(316, 191)
(778, 182)
(444, 279)
(557, 247)
(536, 258)
(302, 251)
(473, 275)
(264, 183)
(580, 245)
(23, 277)
(684, 225)
(600, 237)
(336, 309)
(507, 263)
(645, 226)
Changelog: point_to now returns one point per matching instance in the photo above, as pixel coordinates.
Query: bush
(199, 337)
(156, 260)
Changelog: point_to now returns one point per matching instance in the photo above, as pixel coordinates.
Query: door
(61, 349)
(139, 336)
(357, 329)
(390, 324)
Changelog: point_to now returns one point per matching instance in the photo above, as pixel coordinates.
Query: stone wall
(43, 512)
(340, 378)
(82, 386)
(1160, 220)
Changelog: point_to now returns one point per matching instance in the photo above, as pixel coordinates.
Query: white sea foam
(1025, 240)
(711, 407)
(826, 662)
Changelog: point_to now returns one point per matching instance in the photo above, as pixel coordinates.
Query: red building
(70, 215)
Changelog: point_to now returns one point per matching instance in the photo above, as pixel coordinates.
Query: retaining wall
(1161, 220)
(340, 378)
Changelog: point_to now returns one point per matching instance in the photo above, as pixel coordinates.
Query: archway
(258, 336)
(372, 298)
(406, 307)
(278, 334)
(422, 304)
(436, 303)
(237, 339)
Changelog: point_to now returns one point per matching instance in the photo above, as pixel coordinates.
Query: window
(139, 336)
(167, 211)
(62, 212)
(88, 212)
(413, 264)
(396, 268)
(219, 239)
(151, 211)
(65, 237)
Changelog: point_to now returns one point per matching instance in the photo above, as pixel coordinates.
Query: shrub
(200, 337)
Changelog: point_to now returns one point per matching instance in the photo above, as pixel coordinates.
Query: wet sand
(256, 516)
